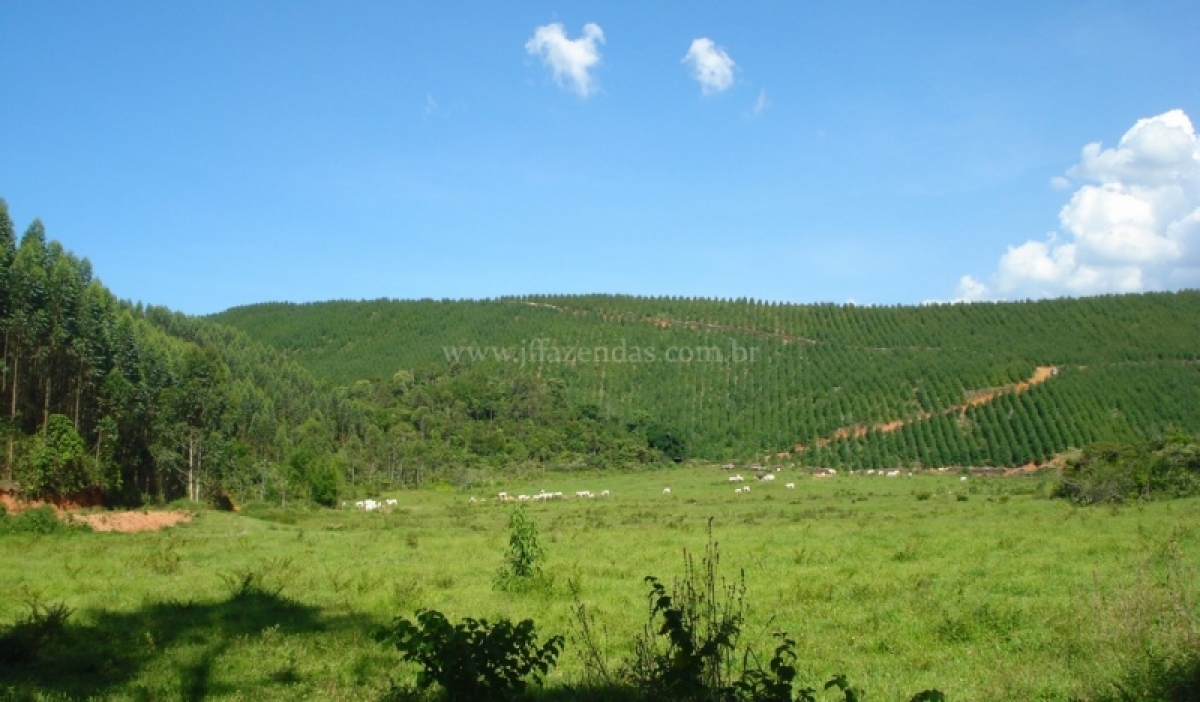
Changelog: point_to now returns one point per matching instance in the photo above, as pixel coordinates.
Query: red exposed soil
(87, 498)
(127, 522)
(1040, 375)
(130, 522)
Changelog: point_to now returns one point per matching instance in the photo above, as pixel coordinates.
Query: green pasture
(984, 588)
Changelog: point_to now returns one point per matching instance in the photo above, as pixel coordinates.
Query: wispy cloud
(761, 103)
(710, 65)
(1133, 223)
(431, 105)
(571, 60)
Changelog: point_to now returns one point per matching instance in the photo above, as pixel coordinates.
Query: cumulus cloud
(710, 65)
(571, 60)
(1132, 224)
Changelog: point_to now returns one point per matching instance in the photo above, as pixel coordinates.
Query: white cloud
(431, 105)
(1133, 225)
(761, 104)
(572, 60)
(711, 66)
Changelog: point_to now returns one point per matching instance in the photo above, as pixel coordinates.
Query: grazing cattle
(605, 493)
(370, 505)
(522, 498)
(963, 479)
(360, 504)
(893, 473)
(790, 486)
(738, 490)
(392, 502)
(736, 479)
(503, 497)
(767, 478)
(666, 491)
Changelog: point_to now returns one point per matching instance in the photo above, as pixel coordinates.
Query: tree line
(140, 403)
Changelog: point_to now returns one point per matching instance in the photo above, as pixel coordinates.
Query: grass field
(984, 589)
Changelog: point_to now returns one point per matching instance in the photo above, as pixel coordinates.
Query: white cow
(666, 491)
(370, 505)
(738, 490)
(392, 502)
(768, 477)
(605, 493)
(790, 486)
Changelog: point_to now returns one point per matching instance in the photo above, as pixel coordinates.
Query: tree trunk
(46, 405)
(78, 395)
(13, 414)
(191, 468)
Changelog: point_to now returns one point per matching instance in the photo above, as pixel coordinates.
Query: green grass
(1006, 595)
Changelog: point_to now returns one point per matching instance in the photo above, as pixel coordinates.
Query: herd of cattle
(373, 505)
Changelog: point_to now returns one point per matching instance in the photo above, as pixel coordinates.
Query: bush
(688, 649)
(1114, 473)
(522, 569)
(26, 639)
(701, 620)
(39, 520)
(474, 660)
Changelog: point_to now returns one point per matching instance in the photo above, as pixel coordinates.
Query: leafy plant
(25, 639)
(525, 555)
(701, 620)
(268, 581)
(474, 660)
(39, 520)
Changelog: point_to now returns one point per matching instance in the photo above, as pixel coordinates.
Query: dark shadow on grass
(85, 660)
(607, 693)
(1174, 682)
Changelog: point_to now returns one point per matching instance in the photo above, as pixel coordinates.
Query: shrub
(473, 660)
(522, 569)
(1114, 473)
(39, 520)
(701, 620)
(24, 640)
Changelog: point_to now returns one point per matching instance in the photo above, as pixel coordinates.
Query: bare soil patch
(1040, 375)
(130, 522)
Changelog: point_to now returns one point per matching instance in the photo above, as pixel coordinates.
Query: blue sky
(206, 155)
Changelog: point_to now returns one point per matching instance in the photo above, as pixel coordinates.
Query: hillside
(828, 384)
(108, 401)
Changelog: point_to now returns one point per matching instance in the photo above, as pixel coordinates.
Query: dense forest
(138, 403)
(1124, 368)
(322, 401)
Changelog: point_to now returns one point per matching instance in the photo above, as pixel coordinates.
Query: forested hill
(107, 399)
(859, 386)
(318, 402)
